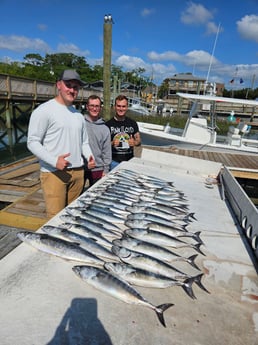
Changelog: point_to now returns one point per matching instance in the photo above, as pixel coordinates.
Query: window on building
(190, 83)
(172, 83)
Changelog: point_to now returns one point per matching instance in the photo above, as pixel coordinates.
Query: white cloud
(196, 14)
(130, 62)
(21, 43)
(157, 70)
(248, 27)
(195, 57)
(71, 48)
(166, 56)
(212, 28)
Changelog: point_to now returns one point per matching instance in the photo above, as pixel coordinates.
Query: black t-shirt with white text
(122, 130)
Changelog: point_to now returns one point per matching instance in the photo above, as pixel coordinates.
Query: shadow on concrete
(80, 325)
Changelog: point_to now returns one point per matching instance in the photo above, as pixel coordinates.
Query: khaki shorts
(60, 188)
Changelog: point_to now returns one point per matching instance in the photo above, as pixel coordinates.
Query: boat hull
(160, 138)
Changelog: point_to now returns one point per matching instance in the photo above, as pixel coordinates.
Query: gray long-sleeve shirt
(100, 143)
(54, 130)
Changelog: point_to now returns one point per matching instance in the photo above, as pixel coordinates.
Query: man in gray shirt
(57, 135)
(99, 139)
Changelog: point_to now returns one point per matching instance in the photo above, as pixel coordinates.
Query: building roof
(186, 76)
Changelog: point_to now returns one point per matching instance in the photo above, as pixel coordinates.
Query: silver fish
(161, 201)
(155, 211)
(115, 199)
(158, 220)
(106, 206)
(140, 222)
(154, 250)
(120, 289)
(76, 212)
(144, 278)
(155, 179)
(108, 216)
(164, 208)
(151, 184)
(132, 191)
(121, 196)
(88, 225)
(149, 263)
(58, 247)
(161, 239)
(86, 232)
(175, 198)
(88, 243)
(175, 232)
(101, 201)
(125, 174)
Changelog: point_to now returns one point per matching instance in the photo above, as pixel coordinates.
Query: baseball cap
(70, 74)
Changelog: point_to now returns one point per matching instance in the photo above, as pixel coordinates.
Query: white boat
(197, 134)
(139, 109)
(136, 105)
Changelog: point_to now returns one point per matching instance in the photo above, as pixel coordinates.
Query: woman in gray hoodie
(99, 140)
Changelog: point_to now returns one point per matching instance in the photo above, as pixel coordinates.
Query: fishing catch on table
(127, 231)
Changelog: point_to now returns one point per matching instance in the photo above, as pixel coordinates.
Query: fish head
(136, 232)
(137, 223)
(135, 208)
(135, 216)
(65, 218)
(85, 272)
(117, 243)
(51, 230)
(129, 242)
(72, 211)
(119, 268)
(28, 236)
(121, 252)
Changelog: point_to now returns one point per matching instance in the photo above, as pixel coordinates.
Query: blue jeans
(113, 165)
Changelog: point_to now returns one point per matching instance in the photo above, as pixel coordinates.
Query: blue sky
(165, 37)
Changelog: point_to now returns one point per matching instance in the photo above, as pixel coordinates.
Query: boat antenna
(212, 55)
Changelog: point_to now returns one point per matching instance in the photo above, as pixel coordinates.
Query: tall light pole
(108, 21)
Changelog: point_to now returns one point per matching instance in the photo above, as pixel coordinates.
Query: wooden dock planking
(228, 159)
(33, 204)
(8, 239)
(20, 186)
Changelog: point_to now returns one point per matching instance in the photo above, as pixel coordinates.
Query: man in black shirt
(124, 133)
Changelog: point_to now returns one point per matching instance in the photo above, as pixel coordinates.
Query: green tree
(163, 89)
(34, 59)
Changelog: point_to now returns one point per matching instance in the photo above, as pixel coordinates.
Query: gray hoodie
(100, 143)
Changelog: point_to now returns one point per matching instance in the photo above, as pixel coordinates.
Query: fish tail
(197, 237)
(160, 309)
(191, 215)
(197, 280)
(197, 248)
(187, 286)
(191, 259)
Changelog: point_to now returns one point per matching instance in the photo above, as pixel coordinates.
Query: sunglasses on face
(70, 85)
